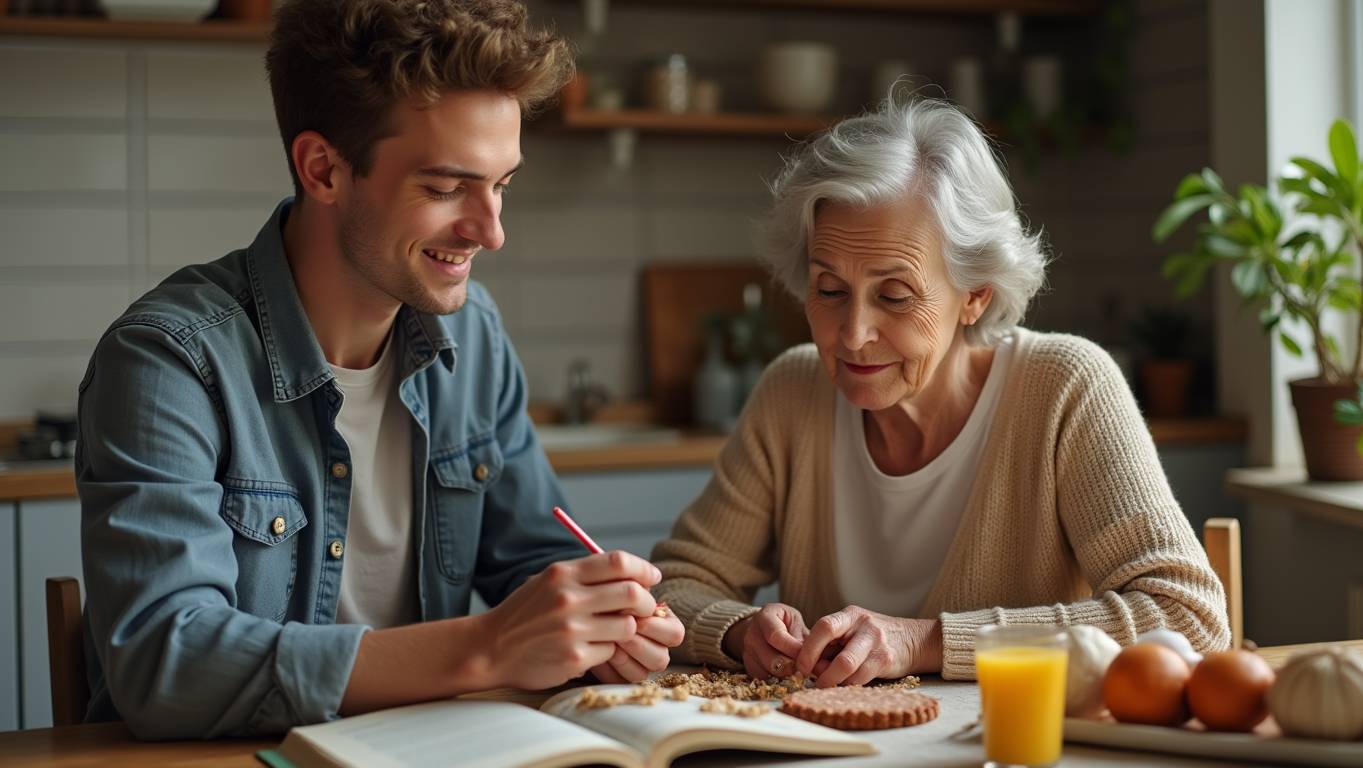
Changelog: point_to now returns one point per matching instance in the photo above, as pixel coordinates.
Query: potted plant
(1292, 271)
(1166, 372)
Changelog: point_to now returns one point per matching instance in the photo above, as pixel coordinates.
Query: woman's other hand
(855, 646)
(768, 641)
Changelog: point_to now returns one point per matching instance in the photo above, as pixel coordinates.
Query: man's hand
(646, 652)
(568, 619)
(768, 642)
(855, 646)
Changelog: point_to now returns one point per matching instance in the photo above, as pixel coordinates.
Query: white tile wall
(59, 311)
(62, 81)
(218, 163)
(217, 85)
(64, 237)
(45, 382)
(63, 162)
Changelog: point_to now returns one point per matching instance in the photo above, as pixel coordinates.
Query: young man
(298, 461)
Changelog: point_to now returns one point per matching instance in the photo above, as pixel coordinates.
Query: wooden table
(111, 745)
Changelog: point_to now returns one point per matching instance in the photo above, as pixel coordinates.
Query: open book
(473, 734)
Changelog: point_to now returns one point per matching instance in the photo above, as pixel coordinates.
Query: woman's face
(882, 311)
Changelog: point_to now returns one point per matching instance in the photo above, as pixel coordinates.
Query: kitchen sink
(557, 437)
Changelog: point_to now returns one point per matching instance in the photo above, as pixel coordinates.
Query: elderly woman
(926, 466)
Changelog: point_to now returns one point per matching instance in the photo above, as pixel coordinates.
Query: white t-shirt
(892, 532)
(378, 580)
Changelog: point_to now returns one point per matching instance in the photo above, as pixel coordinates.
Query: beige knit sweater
(1070, 520)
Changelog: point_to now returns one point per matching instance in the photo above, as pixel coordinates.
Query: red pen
(576, 530)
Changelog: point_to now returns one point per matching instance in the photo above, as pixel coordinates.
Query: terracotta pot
(246, 10)
(1167, 384)
(1331, 448)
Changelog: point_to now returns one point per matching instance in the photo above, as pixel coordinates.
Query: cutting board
(677, 296)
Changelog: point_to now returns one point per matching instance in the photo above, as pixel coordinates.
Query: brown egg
(1145, 684)
(1229, 690)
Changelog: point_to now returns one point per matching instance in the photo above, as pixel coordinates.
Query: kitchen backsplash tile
(227, 163)
(64, 162)
(62, 81)
(240, 91)
(70, 311)
(65, 237)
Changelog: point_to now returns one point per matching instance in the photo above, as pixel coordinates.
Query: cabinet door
(49, 545)
(9, 622)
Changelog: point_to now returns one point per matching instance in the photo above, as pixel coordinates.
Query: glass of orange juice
(1021, 671)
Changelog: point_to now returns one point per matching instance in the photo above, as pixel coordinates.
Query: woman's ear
(976, 302)
(318, 165)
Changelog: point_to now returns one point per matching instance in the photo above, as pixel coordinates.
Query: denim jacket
(215, 492)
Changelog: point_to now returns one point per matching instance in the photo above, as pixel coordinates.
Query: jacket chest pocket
(265, 516)
(462, 477)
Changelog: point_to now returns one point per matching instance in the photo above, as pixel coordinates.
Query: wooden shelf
(721, 124)
(212, 31)
(949, 7)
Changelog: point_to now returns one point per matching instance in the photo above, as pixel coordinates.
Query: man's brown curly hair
(338, 66)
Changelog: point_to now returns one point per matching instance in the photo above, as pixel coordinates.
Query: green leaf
(1315, 170)
(1223, 247)
(1177, 213)
(1247, 278)
(1344, 151)
(1349, 412)
(1297, 241)
(1347, 296)
(1298, 185)
(1290, 344)
(1269, 319)
(1268, 223)
(1213, 181)
(1192, 184)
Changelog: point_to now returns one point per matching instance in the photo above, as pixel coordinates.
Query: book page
(470, 734)
(670, 728)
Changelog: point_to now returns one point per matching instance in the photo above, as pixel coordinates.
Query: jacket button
(279, 526)
(337, 549)
(480, 472)
(339, 470)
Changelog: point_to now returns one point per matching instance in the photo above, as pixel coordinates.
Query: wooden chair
(1221, 537)
(66, 651)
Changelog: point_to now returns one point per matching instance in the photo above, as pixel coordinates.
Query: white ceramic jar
(799, 77)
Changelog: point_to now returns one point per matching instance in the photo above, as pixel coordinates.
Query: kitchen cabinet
(9, 621)
(48, 544)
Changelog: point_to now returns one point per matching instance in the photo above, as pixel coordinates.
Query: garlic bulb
(1319, 695)
(1091, 651)
(1174, 641)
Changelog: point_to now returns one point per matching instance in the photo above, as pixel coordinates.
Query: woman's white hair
(925, 147)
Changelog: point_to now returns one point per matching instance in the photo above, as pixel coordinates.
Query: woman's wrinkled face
(882, 311)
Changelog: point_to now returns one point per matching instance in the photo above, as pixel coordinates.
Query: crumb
(713, 684)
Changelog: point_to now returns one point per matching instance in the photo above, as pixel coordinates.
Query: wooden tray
(1265, 745)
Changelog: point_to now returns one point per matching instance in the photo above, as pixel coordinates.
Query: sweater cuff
(958, 633)
(708, 629)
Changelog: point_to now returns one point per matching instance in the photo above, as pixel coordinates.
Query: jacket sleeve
(179, 659)
(1130, 537)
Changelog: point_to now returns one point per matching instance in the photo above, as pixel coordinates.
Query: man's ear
(976, 302)
(319, 166)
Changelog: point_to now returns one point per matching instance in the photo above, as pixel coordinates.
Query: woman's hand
(768, 641)
(855, 646)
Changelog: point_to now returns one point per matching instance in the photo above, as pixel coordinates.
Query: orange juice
(1022, 695)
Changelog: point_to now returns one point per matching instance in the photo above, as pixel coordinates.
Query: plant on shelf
(1297, 272)
(1166, 371)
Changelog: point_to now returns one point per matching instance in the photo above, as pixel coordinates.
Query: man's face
(432, 199)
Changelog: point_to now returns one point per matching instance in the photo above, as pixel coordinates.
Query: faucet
(585, 397)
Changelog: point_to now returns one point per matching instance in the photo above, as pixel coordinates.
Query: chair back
(66, 651)
(1221, 537)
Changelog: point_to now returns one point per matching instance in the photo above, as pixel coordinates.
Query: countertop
(690, 450)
